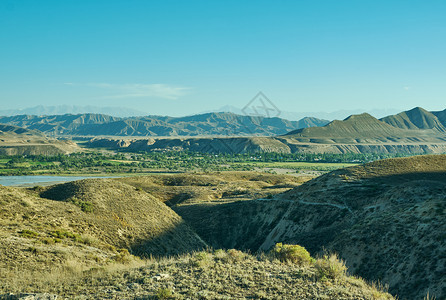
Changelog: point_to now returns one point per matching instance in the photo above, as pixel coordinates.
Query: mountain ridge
(225, 124)
(416, 118)
(73, 109)
(363, 128)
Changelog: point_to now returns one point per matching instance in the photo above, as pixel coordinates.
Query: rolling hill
(11, 130)
(358, 134)
(82, 240)
(16, 140)
(86, 222)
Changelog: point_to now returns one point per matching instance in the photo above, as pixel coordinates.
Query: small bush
(291, 253)
(220, 254)
(202, 259)
(85, 206)
(123, 257)
(37, 188)
(48, 241)
(33, 250)
(61, 234)
(28, 233)
(164, 293)
(235, 255)
(87, 240)
(330, 267)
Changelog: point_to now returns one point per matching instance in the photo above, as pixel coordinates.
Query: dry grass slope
(217, 274)
(386, 219)
(89, 223)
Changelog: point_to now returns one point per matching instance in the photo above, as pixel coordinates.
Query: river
(41, 179)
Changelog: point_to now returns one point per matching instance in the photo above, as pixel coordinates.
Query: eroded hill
(16, 140)
(86, 223)
(386, 219)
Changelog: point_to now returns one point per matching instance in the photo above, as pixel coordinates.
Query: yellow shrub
(291, 253)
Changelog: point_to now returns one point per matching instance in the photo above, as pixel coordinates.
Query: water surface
(30, 180)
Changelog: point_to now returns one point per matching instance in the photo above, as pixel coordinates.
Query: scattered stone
(134, 286)
(161, 276)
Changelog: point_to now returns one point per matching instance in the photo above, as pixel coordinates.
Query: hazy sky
(183, 57)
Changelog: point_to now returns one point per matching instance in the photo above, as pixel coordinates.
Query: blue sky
(183, 57)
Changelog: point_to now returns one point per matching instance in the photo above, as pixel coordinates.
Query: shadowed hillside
(386, 219)
(441, 115)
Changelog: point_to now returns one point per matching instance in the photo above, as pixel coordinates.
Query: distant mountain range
(334, 115)
(420, 132)
(413, 131)
(41, 110)
(221, 124)
(125, 112)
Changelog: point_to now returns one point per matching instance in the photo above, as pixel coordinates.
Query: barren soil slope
(387, 219)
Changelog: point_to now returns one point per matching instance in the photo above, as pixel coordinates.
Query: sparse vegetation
(177, 278)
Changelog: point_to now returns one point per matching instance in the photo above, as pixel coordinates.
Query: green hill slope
(416, 118)
(362, 129)
(359, 129)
